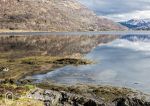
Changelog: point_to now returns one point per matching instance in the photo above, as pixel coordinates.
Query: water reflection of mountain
(143, 38)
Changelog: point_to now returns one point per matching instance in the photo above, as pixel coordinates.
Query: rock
(10, 81)
(4, 69)
(25, 81)
(51, 97)
(92, 103)
(70, 98)
(130, 102)
(54, 98)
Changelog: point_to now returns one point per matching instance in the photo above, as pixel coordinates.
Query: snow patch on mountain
(137, 24)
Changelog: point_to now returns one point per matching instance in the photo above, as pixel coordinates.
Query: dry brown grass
(19, 97)
(52, 15)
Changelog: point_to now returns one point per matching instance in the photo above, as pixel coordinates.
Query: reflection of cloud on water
(121, 63)
(137, 45)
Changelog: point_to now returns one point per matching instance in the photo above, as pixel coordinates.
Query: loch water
(123, 62)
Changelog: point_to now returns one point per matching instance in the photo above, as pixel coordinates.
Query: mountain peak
(137, 24)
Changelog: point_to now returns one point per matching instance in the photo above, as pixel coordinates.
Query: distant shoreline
(20, 32)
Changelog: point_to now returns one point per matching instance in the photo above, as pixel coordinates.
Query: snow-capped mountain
(137, 24)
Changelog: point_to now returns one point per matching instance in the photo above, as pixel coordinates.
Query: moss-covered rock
(70, 61)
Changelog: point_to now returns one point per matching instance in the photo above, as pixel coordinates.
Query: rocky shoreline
(21, 61)
(92, 95)
(54, 98)
(76, 95)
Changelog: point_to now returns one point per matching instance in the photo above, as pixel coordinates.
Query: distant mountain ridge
(137, 24)
(51, 15)
(134, 38)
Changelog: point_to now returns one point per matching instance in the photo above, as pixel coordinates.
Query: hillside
(137, 24)
(51, 15)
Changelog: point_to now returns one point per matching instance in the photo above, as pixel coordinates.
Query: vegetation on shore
(13, 95)
(27, 55)
(20, 67)
(108, 95)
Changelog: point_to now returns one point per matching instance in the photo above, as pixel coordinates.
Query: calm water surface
(123, 62)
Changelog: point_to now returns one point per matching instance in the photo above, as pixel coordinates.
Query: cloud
(132, 15)
(118, 7)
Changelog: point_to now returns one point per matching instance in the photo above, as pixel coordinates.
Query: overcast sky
(119, 10)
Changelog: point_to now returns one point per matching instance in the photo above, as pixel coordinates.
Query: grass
(21, 102)
(20, 67)
(28, 55)
(107, 93)
(19, 96)
(51, 16)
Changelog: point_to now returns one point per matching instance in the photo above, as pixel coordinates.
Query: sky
(120, 10)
